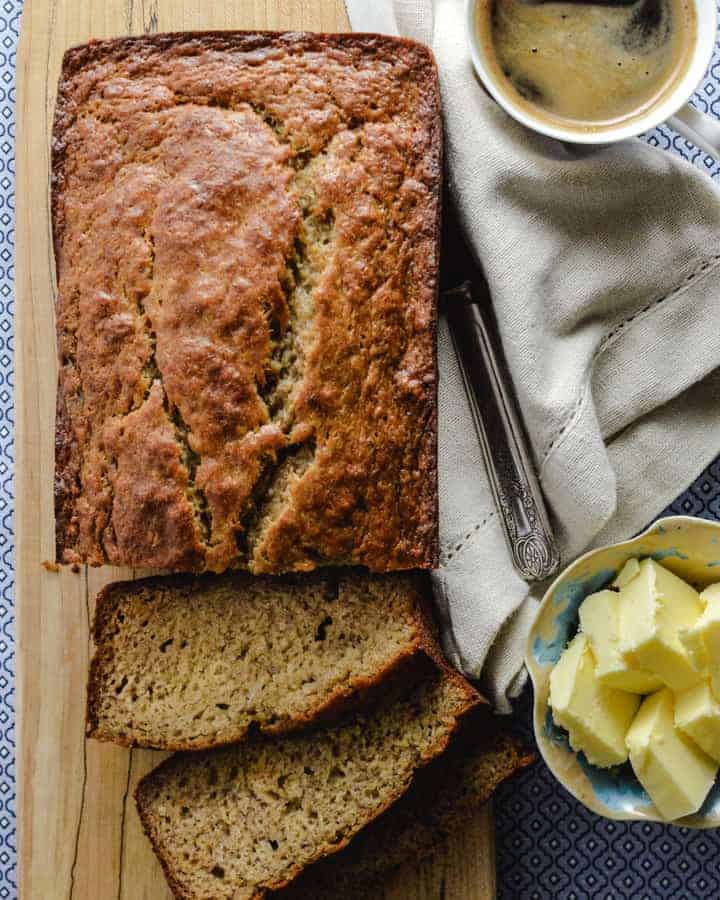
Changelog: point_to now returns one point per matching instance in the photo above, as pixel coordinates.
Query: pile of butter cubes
(641, 681)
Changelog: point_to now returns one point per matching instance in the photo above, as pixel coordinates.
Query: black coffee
(588, 64)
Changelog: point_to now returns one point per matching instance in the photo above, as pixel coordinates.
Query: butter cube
(702, 640)
(627, 573)
(595, 716)
(697, 713)
(600, 622)
(654, 607)
(673, 770)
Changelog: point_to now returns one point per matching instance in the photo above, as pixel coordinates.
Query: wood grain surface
(79, 835)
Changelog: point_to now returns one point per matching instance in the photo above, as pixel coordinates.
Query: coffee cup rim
(706, 28)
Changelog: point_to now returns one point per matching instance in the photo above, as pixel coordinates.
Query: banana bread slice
(246, 241)
(439, 800)
(186, 663)
(242, 820)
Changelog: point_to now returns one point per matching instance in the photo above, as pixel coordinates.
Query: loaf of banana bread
(246, 241)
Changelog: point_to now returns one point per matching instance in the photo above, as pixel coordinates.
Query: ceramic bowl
(691, 548)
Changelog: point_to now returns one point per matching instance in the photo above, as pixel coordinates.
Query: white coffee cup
(697, 127)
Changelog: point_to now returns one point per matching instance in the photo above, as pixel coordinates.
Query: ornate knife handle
(512, 476)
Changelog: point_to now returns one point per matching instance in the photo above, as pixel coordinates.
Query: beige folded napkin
(603, 269)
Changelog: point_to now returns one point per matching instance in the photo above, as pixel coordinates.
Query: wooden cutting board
(79, 836)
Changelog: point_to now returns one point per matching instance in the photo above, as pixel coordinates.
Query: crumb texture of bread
(441, 797)
(246, 241)
(196, 661)
(243, 820)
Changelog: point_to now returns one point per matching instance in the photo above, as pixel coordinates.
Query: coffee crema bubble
(587, 64)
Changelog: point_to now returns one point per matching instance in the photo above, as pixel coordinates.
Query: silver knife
(499, 428)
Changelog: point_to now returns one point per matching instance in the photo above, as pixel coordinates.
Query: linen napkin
(603, 266)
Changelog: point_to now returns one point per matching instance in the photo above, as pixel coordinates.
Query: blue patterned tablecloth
(549, 847)
(9, 28)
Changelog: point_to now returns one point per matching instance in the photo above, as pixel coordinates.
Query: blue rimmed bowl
(688, 546)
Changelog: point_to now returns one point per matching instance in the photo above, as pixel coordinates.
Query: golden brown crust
(246, 235)
(343, 697)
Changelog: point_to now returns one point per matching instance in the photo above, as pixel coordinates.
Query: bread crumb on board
(54, 567)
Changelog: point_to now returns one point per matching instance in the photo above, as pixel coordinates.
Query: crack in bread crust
(284, 376)
(287, 189)
(152, 374)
